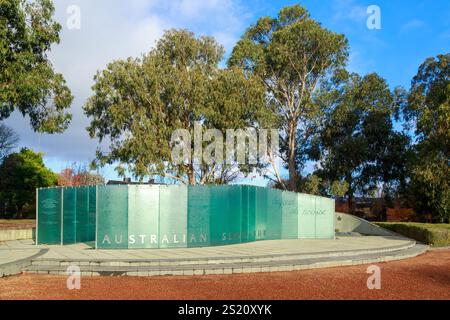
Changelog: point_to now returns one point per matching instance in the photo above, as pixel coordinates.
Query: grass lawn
(436, 235)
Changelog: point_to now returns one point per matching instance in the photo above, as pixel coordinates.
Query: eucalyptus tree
(139, 103)
(428, 111)
(291, 55)
(28, 82)
(358, 148)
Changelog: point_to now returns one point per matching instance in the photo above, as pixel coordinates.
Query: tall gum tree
(28, 82)
(290, 55)
(139, 103)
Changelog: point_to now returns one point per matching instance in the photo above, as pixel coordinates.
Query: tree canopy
(28, 82)
(138, 103)
(358, 146)
(291, 55)
(20, 174)
(428, 110)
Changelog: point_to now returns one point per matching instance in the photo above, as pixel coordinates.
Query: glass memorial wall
(66, 215)
(151, 216)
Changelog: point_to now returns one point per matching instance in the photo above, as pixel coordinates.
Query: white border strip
(62, 216)
(96, 217)
(37, 215)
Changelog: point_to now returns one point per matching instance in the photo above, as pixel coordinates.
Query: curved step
(218, 259)
(16, 266)
(227, 267)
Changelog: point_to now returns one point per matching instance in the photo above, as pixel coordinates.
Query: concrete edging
(16, 234)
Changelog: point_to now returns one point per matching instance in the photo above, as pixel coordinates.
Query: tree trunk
(292, 166)
(19, 212)
(351, 203)
(191, 175)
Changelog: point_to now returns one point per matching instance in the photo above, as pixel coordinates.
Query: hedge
(436, 235)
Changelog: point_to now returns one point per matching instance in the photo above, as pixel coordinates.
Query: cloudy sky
(410, 32)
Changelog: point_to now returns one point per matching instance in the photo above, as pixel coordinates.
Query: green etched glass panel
(70, 215)
(261, 213)
(235, 232)
(249, 207)
(274, 214)
(82, 214)
(92, 212)
(245, 212)
(199, 211)
(289, 220)
(324, 218)
(49, 216)
(112, 217)
(173, 217)
(143, 216)
(219, 220)
(306, 216)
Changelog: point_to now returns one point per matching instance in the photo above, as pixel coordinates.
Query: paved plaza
(261, 256)
(16, 250)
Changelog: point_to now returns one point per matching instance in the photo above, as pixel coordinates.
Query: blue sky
(410, 32)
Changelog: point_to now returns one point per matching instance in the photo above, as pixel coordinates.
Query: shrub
(437, 235)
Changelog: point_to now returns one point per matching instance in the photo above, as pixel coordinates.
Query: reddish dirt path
(424, 277)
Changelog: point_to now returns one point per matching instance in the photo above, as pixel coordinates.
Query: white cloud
(347, 10)
(411, 25)
(117, 29)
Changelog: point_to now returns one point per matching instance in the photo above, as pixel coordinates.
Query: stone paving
(11, 251)
(20, 249)
(17, 256)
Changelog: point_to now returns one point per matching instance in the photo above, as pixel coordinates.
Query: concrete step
(227, 267)
(18, 261)
(213, 260)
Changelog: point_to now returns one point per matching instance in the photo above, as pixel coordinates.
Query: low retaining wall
(345, 223)
(11, 235)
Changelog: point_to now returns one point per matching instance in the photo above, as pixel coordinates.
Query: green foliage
(339, 188)
(20, 174)
(357, 146)
(291, 55)
(437, 235)
(139, 103)
(311, 185)
(428, 109)
(28, 82)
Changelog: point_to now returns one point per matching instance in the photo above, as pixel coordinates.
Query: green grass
(436, 235)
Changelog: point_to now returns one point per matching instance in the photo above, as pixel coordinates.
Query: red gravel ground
(424, 277)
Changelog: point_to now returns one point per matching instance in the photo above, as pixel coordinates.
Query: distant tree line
(24, 171)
